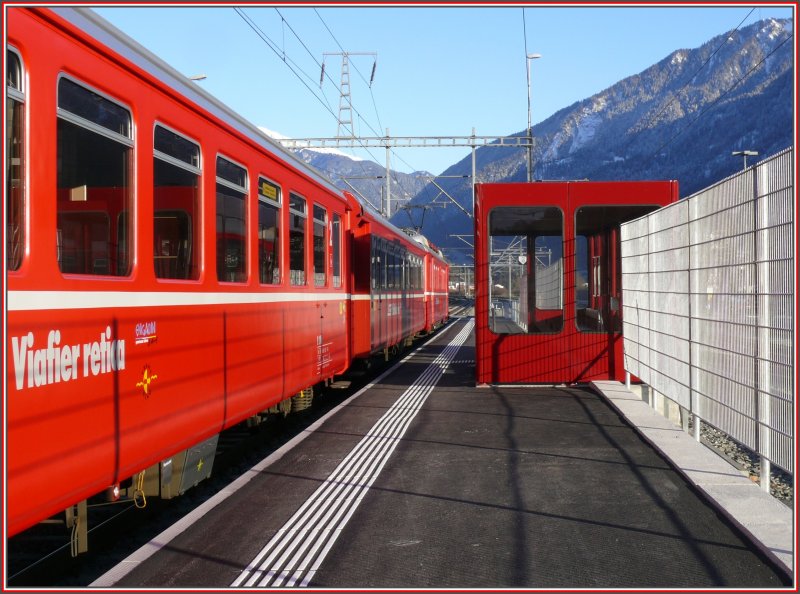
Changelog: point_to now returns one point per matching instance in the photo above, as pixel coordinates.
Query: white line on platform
(293, 555)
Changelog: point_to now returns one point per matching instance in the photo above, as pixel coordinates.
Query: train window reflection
(15, 205)
(94, 193)
(526, 270)
(231, 222)
(176, 207)
(269, 201)
(297, 239)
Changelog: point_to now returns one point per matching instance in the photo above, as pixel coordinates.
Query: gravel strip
(781, 483)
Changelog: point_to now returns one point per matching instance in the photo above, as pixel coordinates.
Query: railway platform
(422, 480)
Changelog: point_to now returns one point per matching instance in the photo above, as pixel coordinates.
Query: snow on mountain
(324, 151)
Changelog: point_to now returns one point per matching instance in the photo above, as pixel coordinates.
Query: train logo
(146, 333)
(148, 377)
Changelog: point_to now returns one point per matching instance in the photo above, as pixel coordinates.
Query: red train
(171, 271)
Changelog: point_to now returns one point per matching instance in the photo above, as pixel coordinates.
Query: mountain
(679, 119)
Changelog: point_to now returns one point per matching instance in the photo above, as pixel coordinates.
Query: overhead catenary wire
(369, 85)
(292, 65)
(273, 46)
(281, 54)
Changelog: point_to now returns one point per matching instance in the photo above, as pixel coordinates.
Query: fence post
(762, 373)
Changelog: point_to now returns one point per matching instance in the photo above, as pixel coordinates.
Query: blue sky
(441, 71)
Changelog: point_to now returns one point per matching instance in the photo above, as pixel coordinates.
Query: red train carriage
(171, 272)
(390, 283)
(437, 274)
(548, 278)
(436, 289)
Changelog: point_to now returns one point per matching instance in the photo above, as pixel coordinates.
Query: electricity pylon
(345, 129)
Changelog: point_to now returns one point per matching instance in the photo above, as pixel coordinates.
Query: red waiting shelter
(548, 279)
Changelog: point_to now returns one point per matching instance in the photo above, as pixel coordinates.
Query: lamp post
(529, 58)
(197, 77)
(744, 154)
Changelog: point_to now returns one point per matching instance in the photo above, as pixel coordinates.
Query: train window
(336, 238)
(94, 193)
(269, 204)
(598, 269)
(374, 265)
(231, 222)
(297, 239)
(176, 205)
(320, 224)
(15, 153)
(525, 270)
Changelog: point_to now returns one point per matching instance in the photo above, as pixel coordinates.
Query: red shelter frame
(548, 307)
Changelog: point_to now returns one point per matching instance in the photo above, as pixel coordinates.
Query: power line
(273, 46)
(392, 173)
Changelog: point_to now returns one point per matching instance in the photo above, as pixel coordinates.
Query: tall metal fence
(708, 305)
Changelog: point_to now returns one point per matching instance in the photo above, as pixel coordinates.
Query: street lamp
(744, 154)
(529, 58)
(198, 77)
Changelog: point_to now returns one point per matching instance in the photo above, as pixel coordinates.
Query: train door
(378, 295)
(374, 295)
(405, 302)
